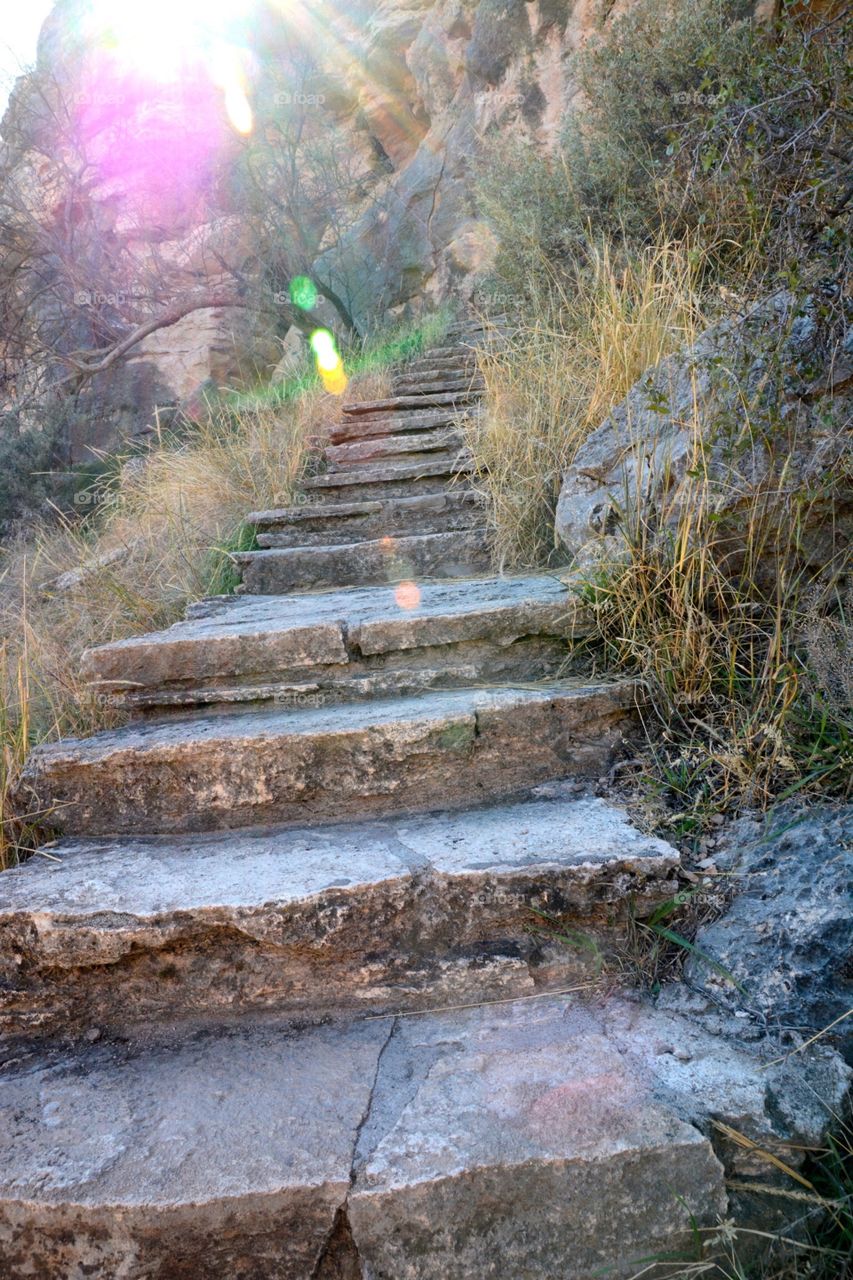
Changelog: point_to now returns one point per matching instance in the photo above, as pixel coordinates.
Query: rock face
(406, 94)
(760, 405)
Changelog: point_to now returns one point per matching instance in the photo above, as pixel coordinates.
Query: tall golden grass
(554, 378)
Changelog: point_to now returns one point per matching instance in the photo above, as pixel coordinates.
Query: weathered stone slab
(379, 916)
(394, 446)
(391, 404)
(312, 525)
(391, 756)
(329, 640)
(456, 554)
(437, 370)
(440, 384)
(541, 1138)
(388, 479)
(383, 424)
(223, 1155)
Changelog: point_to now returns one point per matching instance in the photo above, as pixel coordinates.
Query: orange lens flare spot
(386, 543)
(335, 382)
(408, 595)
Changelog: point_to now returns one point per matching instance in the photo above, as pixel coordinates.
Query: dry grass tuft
(747, 674)
(159, 536)
(555, 378)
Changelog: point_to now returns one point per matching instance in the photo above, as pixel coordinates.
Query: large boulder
(759, 406)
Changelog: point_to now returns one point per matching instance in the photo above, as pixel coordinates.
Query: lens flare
(177, 42)
(330, 366)
(408, 595)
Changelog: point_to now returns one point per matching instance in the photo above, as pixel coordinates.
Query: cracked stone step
(334, 523)
(379, 917)
(388, 480)
(457, 554)
(325, 763)
(345, 644)
(554, 1139)
(541, 1138)
(384, 424)
(223, 1155)
(437, 399)
(370, 450)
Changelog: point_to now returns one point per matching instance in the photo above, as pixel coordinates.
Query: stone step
(371, 425)
(440, 366)
(454, 457)
(325, 763)
(451, 352)
(394, 446)
(391, 404)
(539, 1139)
(461, 553)
(313, 524)
(388, 479)
(408, 914)
(419, 385)
(345, 644)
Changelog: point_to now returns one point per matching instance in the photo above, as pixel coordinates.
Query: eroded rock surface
(761, 406)
(786, 936)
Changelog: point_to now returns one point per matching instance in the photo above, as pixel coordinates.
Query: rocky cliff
(129, 172)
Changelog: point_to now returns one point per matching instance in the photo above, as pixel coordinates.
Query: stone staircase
(286, 1000)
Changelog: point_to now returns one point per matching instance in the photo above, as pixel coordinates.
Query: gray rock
(394, 446)
(386, 424)
(457, 554)
(787, 936)
(769, 393)
(344, 522)
(388, 480)
(343, 644)
(223, 1155)
(540, 1138)
(554, 1139)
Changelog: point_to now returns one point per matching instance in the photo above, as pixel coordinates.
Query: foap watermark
(696, 98)
(295, 698)
(89, 498)
(110, 701)
(99, 98)
(284, 98)
(96, 298)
